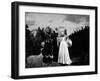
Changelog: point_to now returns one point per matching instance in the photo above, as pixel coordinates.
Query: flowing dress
(63, 56)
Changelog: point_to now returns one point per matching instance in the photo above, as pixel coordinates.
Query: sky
(71, 22)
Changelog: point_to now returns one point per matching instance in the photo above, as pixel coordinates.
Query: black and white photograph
(51, 40)
(56, 39)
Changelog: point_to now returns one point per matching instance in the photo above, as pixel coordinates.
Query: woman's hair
(66, 37)
(65, 31)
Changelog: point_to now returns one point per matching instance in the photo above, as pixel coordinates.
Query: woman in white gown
(63, 56)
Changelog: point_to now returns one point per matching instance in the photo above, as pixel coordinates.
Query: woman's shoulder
(69, 42)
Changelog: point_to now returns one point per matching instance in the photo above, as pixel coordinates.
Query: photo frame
(27, 16)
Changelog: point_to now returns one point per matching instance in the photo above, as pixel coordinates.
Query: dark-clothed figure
(48, 47)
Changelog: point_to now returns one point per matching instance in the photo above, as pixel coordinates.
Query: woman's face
(48, 30)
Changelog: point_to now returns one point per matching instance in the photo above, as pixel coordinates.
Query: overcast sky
(68, 21)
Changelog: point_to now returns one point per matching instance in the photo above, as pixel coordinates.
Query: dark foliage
(33, 44)
(80, 46)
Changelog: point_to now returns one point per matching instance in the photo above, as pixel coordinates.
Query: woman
(63, 57)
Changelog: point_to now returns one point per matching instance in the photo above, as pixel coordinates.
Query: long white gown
(63, 56)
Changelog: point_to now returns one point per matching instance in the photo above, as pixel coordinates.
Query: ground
(37, 61)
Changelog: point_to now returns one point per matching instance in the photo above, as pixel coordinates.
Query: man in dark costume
(48, 47)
